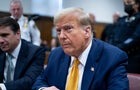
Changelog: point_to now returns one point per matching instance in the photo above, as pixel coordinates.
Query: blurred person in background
(93, 21)
(44, 43)
(29, 31)
(126, 34)
(107, 32)
(54, 43)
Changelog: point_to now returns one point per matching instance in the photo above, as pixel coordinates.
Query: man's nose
(1, 39)
(62, 34)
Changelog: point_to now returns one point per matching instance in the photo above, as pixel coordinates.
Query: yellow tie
(74, 76)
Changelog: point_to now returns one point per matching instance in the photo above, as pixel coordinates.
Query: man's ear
(18, 34)
(137, 6)
(87, 30)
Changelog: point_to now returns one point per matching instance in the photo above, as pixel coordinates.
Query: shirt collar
(16, 50)
(83, 57)
(19, 19)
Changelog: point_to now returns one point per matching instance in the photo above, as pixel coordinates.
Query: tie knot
(16, 19)
(9, 56)
(76, 62)
(10, 68)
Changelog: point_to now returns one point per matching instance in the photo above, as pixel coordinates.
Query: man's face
(16, 10)
(115, 17)
(130, 7)
(8, 39)
(72, 37)
(129, 2)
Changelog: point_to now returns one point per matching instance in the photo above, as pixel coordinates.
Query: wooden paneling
(98, 28)
(3, 14)
(45, 25)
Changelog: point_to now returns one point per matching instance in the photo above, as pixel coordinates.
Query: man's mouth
(65, 45)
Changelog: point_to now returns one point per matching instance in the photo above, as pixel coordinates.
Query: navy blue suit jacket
(109, 73)
(29, 65)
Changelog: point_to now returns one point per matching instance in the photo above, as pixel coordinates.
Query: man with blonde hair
(82, 62)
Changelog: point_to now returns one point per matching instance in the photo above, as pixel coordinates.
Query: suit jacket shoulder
(101, 67)
(28, 66)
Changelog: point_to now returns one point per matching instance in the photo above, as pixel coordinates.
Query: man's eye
(4, 35)
(58, 30)
(68, 28)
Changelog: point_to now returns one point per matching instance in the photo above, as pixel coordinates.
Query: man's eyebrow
(4, 34)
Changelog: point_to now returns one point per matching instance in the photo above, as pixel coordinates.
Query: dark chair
(134, 81)
(46, 59)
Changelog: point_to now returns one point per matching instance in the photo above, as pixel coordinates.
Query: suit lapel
(63, 71)
(91, 64)
(2, 65)
(21, 61)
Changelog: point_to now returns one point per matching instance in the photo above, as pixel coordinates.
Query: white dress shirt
(29, 30)
(82, 58)
(15, 54)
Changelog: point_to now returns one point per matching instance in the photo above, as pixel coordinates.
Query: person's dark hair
(8, 21)
(138, 2)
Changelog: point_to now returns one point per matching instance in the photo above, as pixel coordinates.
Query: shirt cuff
(41, 88)
(2, 86)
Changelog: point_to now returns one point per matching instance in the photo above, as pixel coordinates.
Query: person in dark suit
(26, 59)
(126, 34)
(98, 65)
(107, 32)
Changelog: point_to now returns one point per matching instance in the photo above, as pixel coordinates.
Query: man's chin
(4, 49)
(68, 51)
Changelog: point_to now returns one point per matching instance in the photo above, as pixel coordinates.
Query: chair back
(134, 81)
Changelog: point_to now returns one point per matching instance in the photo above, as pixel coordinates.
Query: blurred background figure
(126, 34)
(107, 32)
(92, 17)
(116, 15)
(54, 43)
(29, 31)
(44, 43)
(93, 21)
